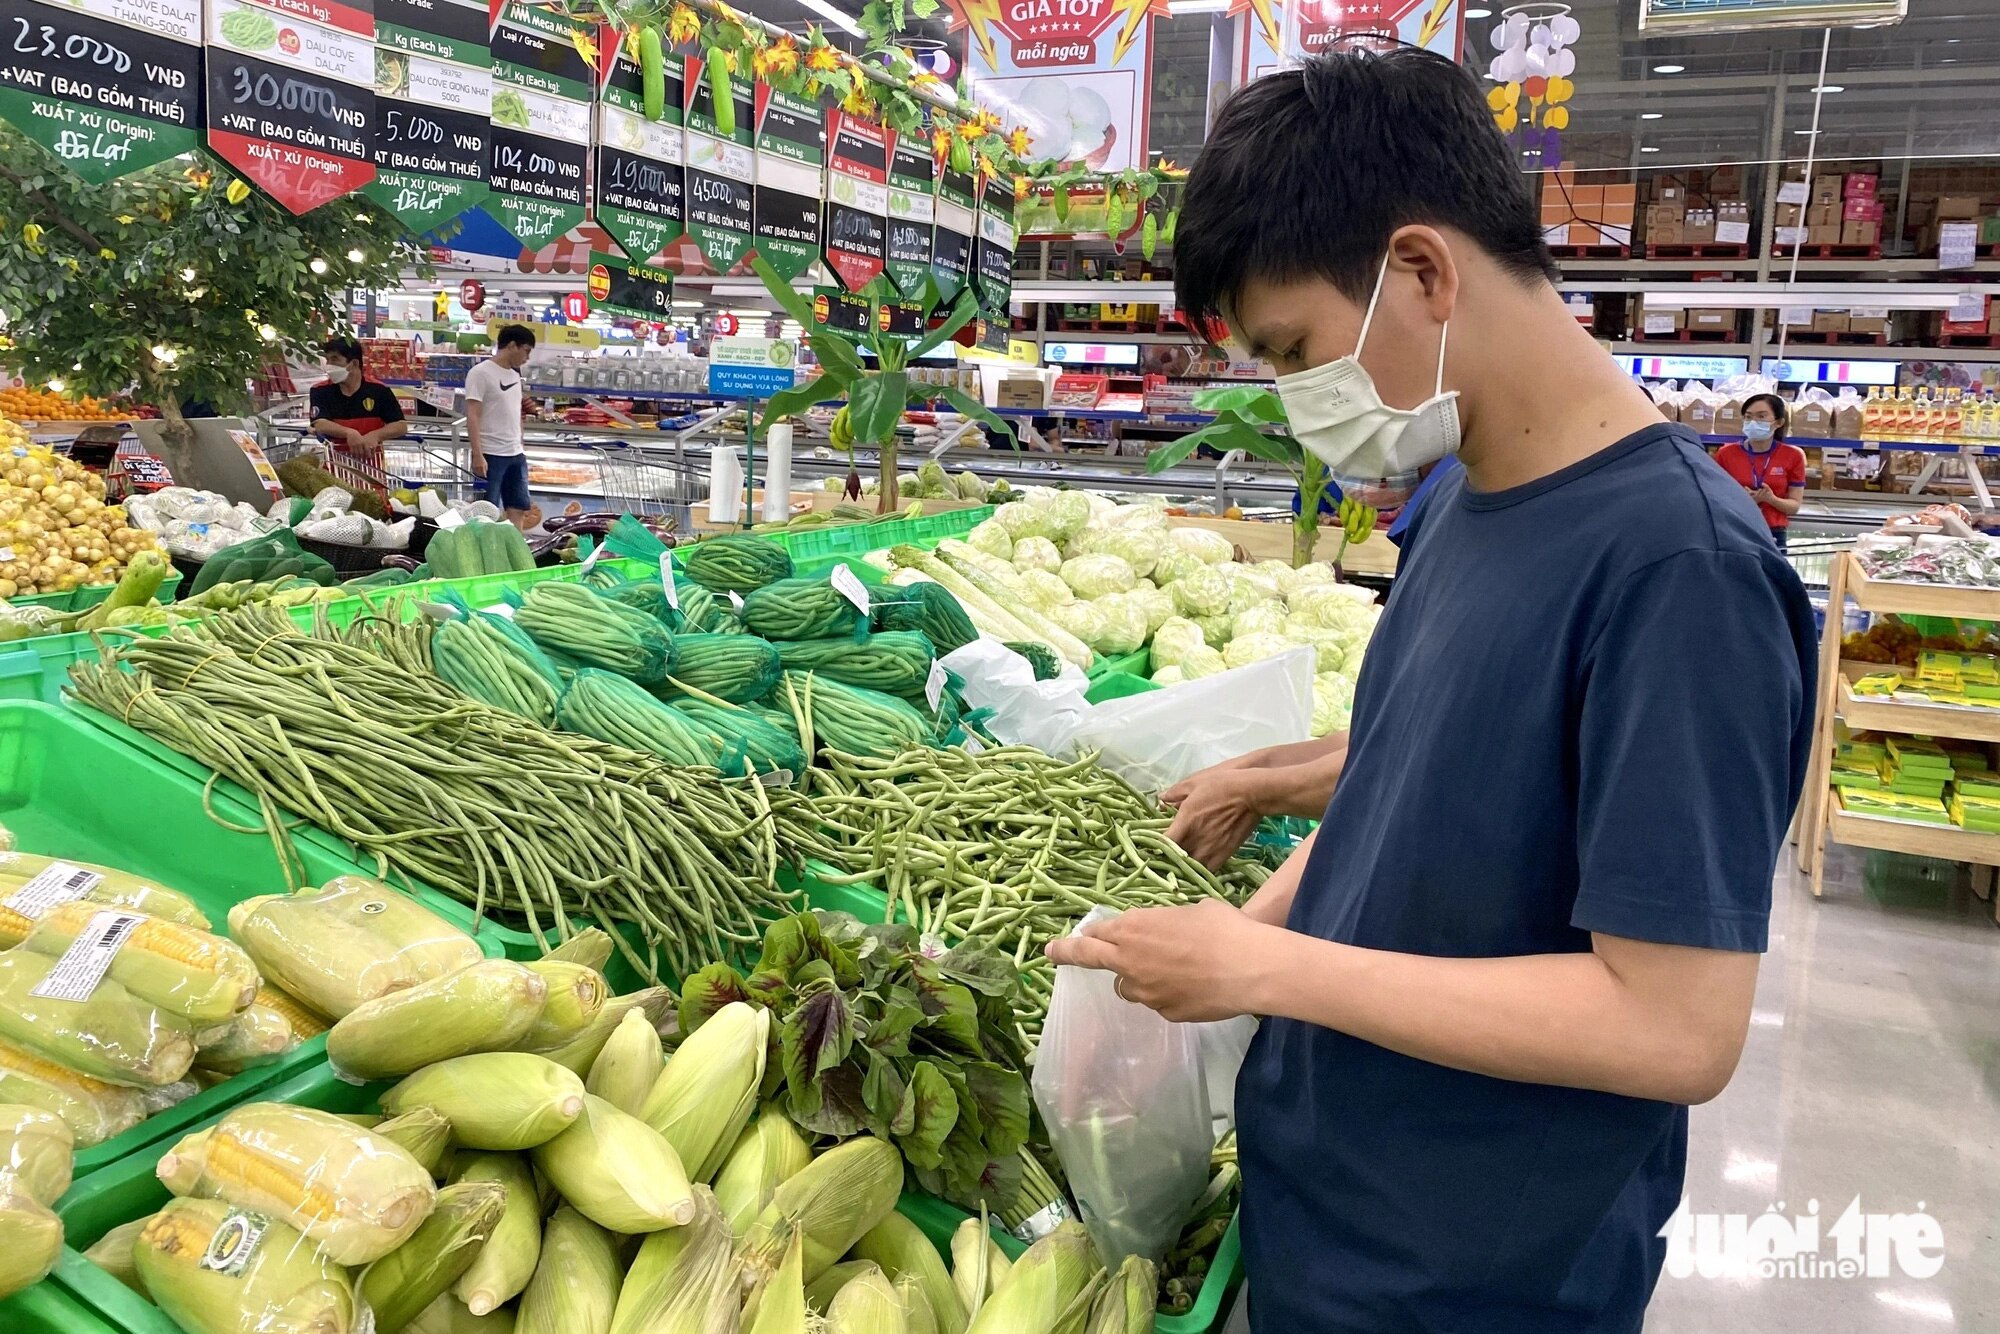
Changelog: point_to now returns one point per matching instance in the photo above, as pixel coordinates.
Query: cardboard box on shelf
(1732, 210)
(1826, 189)
(1971, 316)
(1824, 215)
(1958, 208)
(1810, 419)
(1860, 233)
(1846, 419)
(1861, 210)
(1657, 322)
(1022, 392)
(1698, 415)
(1823, 235)
(1699, 226)
(1728, 419)
(1788, 215)
(1583, 233)
(1868, 319)
(1829, 321)
(1711, 318)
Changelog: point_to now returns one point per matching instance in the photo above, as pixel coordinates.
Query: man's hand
(1192, 964)
(1215, 811)
(478, 465)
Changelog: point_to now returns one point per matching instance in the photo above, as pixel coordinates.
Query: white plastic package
(1122, 1092)
(1154, 740)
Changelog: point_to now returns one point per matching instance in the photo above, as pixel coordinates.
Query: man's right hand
(1216, 811)
(478, 465)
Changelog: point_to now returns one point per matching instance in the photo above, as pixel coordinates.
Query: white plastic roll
(778, 473)
(725, 485)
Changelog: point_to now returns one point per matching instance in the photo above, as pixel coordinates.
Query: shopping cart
(1813, 556)
(358, 470)
(648, 483)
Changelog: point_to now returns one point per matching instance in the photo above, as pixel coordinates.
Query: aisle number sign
(108, 86)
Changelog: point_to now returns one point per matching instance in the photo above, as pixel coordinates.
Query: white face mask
(1338, 415)
(335, 372)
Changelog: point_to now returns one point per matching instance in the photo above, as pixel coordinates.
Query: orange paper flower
(683, 25)
(1020, 187)
(941, 141)
(779, 58)
(822, 59)
(1017, 141)
(970, 130)
(857, 102)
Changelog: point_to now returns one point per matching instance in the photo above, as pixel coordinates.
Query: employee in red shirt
(356, 413)
(1773, 472)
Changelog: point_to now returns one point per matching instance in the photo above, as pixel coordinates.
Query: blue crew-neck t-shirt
(1586, 708)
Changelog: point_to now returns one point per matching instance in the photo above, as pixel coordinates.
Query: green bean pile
(351, 731)
(1007, 845)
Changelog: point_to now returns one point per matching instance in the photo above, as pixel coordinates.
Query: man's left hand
(1193, 964)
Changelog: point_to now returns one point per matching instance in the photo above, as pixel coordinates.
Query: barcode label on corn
(667, 580)
(848, 584)
(58, 882)
(934, 685)
(235, 1242)
(88, 957)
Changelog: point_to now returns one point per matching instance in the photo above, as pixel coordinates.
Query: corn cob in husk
(577, 1278)
(685, 1280)
(94, 1110)
(576, 994)
(834, 1201)
(618, 1172)
(902, 1250)
(31, 1238)
(402, 1283)
(625, 1071)
(351, 941)
(216, 1269)
(487, 1006)
(421, 1132)
(112, 1252)
(258, 1036)
(111, 1035)
(181, 970)
(507, 1261)
(656, 1003)
(768, 1153)
(705, 1095)
(867, 1304)
(504, 1100)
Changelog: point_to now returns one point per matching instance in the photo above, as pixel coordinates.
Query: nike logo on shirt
(506, 387)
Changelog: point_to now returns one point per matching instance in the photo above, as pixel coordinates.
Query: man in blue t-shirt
(1525, 936)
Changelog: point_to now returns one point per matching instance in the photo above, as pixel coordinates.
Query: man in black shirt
(355, 413)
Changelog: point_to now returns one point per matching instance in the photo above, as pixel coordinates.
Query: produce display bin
(48, 1308)
(939, 1220)
(89, 595)
(69, 789)
(1130, 664)
(1117, 685)
(854, 539)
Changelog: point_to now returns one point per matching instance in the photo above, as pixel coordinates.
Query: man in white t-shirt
(493, 422)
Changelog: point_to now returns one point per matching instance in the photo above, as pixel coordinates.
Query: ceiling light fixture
(838, 18)
(1479, 13)
(1669, 69)
(1829, 88)
(1651, 115)
(1179, 7)
(1649, 149)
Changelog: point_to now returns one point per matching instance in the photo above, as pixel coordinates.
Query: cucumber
(652, 72)
(722, 96)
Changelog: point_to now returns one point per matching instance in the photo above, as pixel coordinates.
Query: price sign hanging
(108, 89)
(291, 101)
(542, 90)
(434, 102)
(791, 159)
(857, 199)
(641, 162)
(721, 166)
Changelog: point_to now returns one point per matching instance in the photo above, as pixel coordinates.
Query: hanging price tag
(934, 685)
(848, 584)
(590, 561)
(667, 580)
(735, 600)
(450, 519)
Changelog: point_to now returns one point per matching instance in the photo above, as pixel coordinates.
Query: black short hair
(1309, 170)
(510, 334)
(1779, 409)
(341, 346)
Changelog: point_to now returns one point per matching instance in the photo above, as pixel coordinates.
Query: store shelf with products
(1821, 818)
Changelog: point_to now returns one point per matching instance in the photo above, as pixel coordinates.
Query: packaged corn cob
(215, 1268)
(65, 1010)
(36, 1149)
(31, 1238)
(348, 942)
(31, 884)
(354, 1193)
(94, 1110)
(181, 970)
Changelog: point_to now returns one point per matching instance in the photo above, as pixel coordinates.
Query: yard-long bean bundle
(351, 731)
(1007, 845)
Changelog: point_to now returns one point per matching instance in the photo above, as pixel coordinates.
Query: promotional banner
(1076, 74)
(721, 169)
(633, 290)
(791, 162)
(951, 237)
(291, 96)
(108, 86)
(912, 213)
(1279, 34)
(639, 161)
(857, 199)
(542, 84)
(433, 104)
(993, 266)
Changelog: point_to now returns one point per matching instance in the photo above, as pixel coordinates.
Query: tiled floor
(1873, 1070)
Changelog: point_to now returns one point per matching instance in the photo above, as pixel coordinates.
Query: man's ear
(1423, 251)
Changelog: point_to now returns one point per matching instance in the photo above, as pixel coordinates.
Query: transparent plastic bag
(349, 942)
(1122, 1092)
(1154, 740)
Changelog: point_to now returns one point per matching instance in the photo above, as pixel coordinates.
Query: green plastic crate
(55, 772)
(80, 599)
(1117, 685)
(1131, 664)
(852, 539)
(48, 1308)
(939, 1220)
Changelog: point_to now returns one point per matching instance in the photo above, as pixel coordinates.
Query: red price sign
(726, 324)
(575, 305)
(472, 294)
